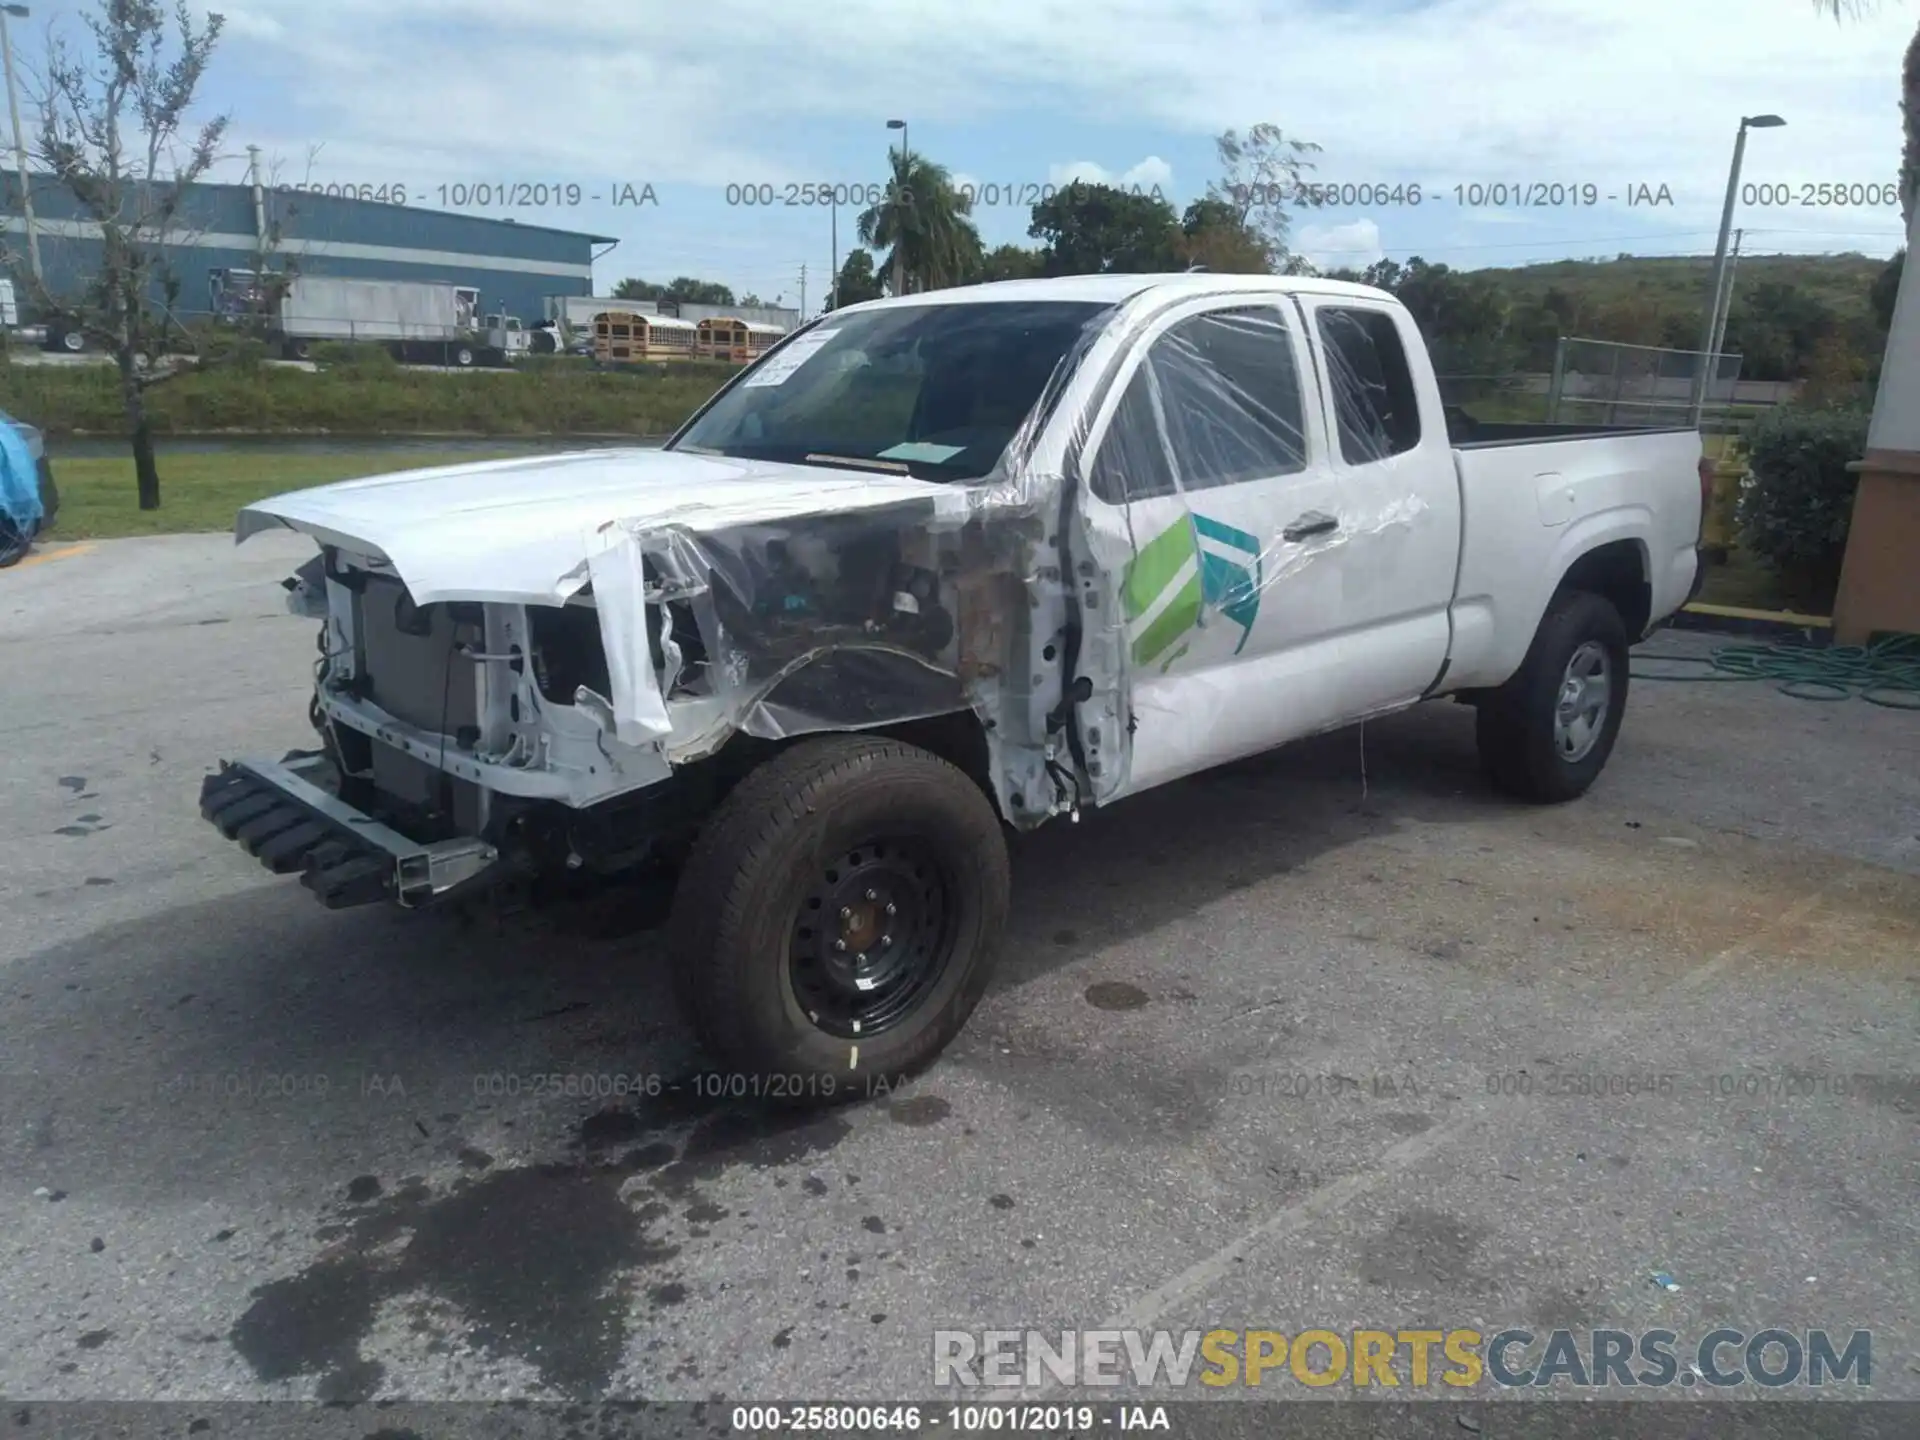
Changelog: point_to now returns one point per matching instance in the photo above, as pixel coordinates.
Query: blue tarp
(20, 509)
(19, 481)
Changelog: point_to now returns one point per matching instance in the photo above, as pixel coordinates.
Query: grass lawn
(203, 492)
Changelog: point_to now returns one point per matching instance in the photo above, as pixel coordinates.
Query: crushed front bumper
(282, 816)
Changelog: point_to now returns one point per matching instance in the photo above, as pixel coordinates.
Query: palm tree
(1909, 100)
(923, 222)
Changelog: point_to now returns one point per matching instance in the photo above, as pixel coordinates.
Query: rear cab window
(1376, 407)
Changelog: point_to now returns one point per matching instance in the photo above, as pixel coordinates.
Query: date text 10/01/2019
(484, 194)
(1472, 195)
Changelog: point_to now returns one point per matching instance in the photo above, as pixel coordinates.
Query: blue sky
(695, 98)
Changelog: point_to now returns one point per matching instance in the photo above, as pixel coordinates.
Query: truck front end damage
(477, 743)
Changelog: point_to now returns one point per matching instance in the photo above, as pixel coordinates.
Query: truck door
(1214, 486)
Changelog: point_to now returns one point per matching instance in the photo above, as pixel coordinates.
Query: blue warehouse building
(515, 267)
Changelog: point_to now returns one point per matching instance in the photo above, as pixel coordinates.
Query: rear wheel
(1546, 734)
(838, 918)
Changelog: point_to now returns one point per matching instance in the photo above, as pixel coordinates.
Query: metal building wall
(515, 267)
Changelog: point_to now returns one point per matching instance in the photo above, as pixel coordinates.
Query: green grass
(203, 492)
(554, 399)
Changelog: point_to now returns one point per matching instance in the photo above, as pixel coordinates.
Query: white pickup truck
(933, 567)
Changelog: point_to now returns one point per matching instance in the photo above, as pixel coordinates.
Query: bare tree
(1262, 176)
(114, 134)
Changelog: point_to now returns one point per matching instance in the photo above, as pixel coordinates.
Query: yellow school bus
(620, 336)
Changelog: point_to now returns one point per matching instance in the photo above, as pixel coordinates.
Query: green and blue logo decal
(1192, 566)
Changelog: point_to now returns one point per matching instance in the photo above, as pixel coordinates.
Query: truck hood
(521, 531)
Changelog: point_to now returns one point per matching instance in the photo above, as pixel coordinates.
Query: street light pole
(20, 12)
(899, 250)
(1705, 362)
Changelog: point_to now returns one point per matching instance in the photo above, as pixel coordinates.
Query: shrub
(1797, 498)
(360, 358)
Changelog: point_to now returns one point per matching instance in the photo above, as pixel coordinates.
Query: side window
(1231, 397)
(1373, 395)
(1132, 463)
(1216, 402)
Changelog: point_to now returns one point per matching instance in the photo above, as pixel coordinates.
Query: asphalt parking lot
(1291, 1045)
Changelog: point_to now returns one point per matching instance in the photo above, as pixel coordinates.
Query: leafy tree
(1263, 178)
(857, 281)
(114, 133)
(1777, 327)
(682, 288)
(1886, 290)
(923, 223)
(1010, 262)
(1099, 230)
(1214, 238)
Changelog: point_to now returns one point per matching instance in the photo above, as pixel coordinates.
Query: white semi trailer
(421, 322)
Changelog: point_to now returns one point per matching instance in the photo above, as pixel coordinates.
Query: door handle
(1308, 525)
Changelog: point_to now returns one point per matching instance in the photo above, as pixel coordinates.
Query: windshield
(935, 391)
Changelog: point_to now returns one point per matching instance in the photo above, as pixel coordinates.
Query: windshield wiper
(892, 467)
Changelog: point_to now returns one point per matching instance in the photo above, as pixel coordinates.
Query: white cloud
(1355, 245)
(1612, 92)
(1150, 172)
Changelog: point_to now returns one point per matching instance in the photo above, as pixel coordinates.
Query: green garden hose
(1886, 672)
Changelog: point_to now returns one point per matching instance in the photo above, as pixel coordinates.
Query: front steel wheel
(838, 918)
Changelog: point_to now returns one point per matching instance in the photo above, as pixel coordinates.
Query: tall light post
(20, 12)
(899, 255)
(1702, 369)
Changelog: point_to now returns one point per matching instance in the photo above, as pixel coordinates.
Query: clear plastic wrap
(1066, 514)
(1210, 482)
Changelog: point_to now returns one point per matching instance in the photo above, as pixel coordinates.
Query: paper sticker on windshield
(791, 357)
(921, 450)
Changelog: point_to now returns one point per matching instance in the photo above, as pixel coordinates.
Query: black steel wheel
(838, 918)
(871, 937)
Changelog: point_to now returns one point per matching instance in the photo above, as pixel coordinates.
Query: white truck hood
(522, 531)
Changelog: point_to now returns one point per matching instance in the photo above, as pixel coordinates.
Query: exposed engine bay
(486, 719)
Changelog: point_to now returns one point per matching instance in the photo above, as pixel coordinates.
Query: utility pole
(803, 290)
(20, 140)
(1747, 122)
(1723, 307)
(833, 271)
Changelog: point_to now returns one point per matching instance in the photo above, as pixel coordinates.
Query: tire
(1523, 748)
(850, 824)
(463, 357)
(73, 342)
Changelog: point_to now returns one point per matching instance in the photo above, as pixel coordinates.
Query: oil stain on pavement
(539, 1261)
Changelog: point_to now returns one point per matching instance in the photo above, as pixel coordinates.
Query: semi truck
(936, 569)
(421, 322)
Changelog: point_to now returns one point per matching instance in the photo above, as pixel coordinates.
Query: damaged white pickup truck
(932, 567)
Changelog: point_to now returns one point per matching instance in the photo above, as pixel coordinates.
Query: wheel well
(1617, 572)
(957, 738)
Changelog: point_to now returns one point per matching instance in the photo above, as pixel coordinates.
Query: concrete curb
(1766, 624)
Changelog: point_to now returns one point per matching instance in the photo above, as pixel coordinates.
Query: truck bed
(1467, 433)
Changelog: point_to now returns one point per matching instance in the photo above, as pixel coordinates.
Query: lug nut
(860, 959)
(873, 894)
(890, 908)
(840, 945)
(885, 941)
(846, 912)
